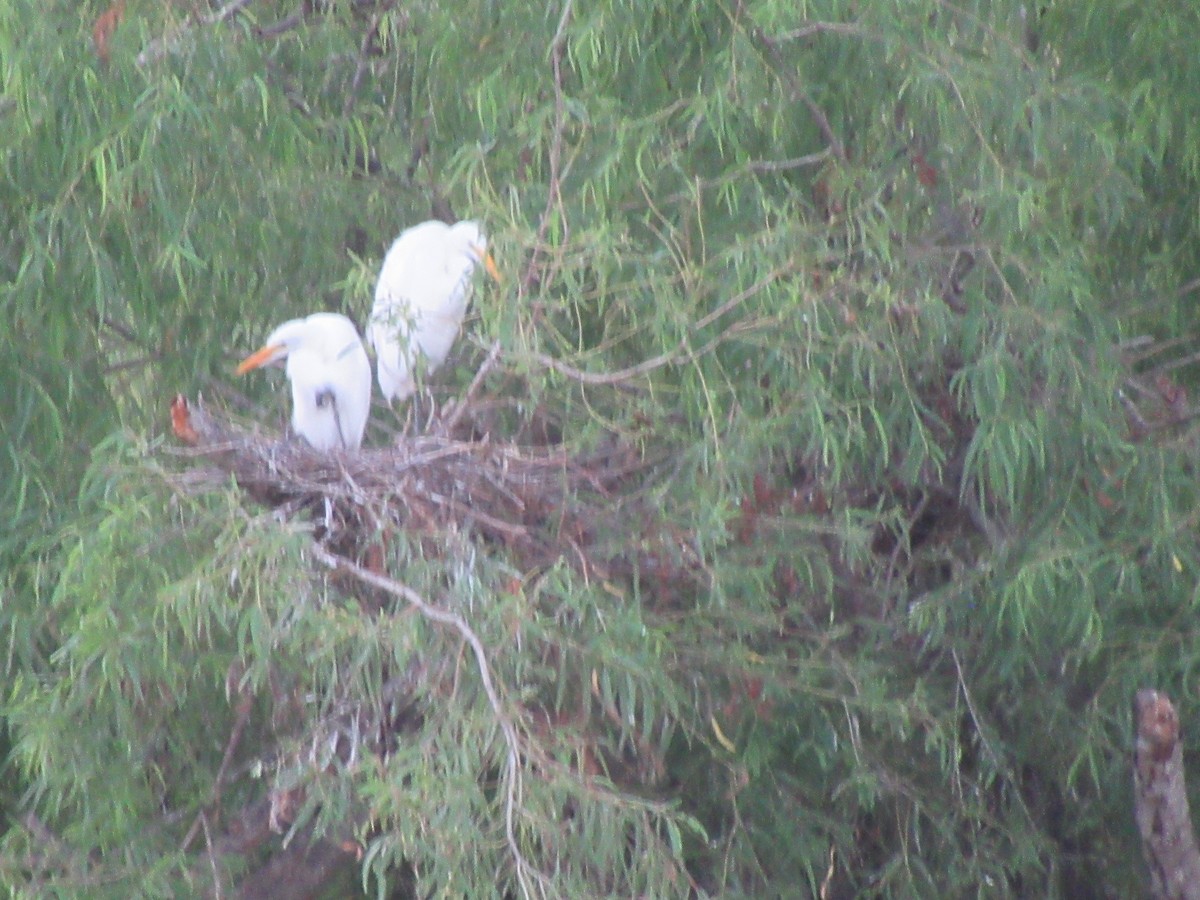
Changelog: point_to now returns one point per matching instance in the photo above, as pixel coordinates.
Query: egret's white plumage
(421, 298)
(330, 375)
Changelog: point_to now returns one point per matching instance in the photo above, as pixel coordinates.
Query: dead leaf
(106, 24)
(181, 421)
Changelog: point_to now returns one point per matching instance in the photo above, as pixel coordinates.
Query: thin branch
(617, 377)
(138, 362)
(1178, 363)
(679, 354)
(447, 426)
(1188, 288)
(739, 298)
(235, 737)
(512, 740)
(819, 28)
(283, 26)
(122, 330)
(904, 541)
(212, 857)
(44, 835)
(364, 52)
(163, 45)
(983, 740)
(228, 10)
(782, 165)
(557, 45)
(770, 49)
(1138, 426)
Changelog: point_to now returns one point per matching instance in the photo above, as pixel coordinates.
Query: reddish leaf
(181, 421)
(926, 174)
(106, 24)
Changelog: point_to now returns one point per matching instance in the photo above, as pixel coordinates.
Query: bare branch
(819, 28)
(283, 26)
(782, 165)
(616, 377)
(448, 425)
(212, 856)
(512, 787)
(235, 736)
(679, 354)
(44, 835)
(1188, 287)
(983, 739)
(770, 49)
(163, 45)
(364, 53)
(228, 10)
(557, 47)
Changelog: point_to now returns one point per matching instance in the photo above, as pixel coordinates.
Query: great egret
(330, 376)
(421, 298)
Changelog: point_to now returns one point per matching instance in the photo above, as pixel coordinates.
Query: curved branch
(681, 353)
(436, 614)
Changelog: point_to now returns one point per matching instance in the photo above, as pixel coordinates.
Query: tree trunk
(1160, 801)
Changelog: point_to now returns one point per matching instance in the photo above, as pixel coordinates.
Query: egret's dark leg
(327, 398)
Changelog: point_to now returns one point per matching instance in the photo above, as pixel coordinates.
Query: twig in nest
(512, 785)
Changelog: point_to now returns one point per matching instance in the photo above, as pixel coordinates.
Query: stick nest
(540, 503)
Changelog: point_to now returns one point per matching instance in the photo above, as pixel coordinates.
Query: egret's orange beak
(265, 356)
(490, 265)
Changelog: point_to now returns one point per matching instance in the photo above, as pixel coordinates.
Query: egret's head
(289, 336)
(273, 352)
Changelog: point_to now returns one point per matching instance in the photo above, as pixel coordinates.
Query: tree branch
(448, 425)
(770, 49)
(364, 53)
(235, 736)
(680, 353)
(557, 46)
(162, 45)
(512, 788)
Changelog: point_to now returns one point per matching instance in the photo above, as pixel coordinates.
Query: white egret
(330, 375)
(421, 298)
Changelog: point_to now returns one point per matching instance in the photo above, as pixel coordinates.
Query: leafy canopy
(893, 302)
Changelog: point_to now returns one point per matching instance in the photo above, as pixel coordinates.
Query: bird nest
(541, 504)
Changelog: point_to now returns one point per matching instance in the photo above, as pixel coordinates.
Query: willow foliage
(893, 298)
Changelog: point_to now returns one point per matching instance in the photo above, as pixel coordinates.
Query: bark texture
(1160, 801)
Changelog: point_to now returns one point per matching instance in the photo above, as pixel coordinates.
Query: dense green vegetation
(893, 303)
